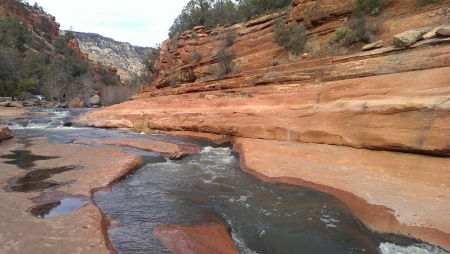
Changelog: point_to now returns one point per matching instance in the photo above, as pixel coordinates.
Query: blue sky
(139, 22)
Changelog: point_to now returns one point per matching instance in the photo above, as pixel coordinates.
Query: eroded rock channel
(196, 203)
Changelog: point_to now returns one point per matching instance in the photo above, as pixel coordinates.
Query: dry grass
(141, 126)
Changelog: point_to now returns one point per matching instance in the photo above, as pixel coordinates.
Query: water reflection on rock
(34, 180)
(58, 208)
(33, 186)
(24, 159)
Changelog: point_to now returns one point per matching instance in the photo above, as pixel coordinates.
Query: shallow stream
(210, 186)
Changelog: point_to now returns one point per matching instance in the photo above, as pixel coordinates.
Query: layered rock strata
(381, 126)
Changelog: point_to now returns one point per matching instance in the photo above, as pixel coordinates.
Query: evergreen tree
(211, 13)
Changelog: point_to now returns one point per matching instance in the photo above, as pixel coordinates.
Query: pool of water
(58, 208)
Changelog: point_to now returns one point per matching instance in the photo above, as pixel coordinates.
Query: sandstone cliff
(121, 55)
(34, 18)
(371, 128)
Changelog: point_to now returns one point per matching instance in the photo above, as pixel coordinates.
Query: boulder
(5, 133)
(432, 34)
(29, 104)
(410, 37)
(79, 124)
(444, 31)
(94, 100)
(76, 103)
(375, 45)
(62, 105)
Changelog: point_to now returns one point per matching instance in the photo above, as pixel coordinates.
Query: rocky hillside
(370, 127)
(35, 18)
(121, 55)
(190, 59)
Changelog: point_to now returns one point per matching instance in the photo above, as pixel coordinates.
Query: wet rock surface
(78, 226)
(172, 151)
(206, 239)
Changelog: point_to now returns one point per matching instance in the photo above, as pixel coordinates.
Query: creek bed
(210, 186)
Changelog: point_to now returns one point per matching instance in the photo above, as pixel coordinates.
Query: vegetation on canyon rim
(210, 13)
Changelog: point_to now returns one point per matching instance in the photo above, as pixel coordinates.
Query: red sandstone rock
(5, 133)
(15, 104)
(81, 231)
(203, 239)
(398, 112)
(167, 149)
(388, 192)
(404, 112)
(73, 44)
(43, 22)
(13, 113)
(76, 103)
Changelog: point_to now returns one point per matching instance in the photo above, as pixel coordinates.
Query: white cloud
(139, 22)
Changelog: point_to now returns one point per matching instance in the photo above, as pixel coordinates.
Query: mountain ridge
(124, 56)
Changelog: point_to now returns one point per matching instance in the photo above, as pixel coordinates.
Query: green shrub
(230, 38)
(174, 80)
(368, 7)
(224, 59)
(196, 56)
(339, 35)
(141, 126)
(358, 31)
(293, 38)
(150, 59)
(107, 78)
(194, 36)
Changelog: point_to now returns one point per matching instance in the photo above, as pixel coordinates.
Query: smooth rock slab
(82, 231)
(203, 239)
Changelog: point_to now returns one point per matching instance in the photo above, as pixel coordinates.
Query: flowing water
(206, 187)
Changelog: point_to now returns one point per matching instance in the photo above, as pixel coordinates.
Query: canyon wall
(370, 127)
(123, 56)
